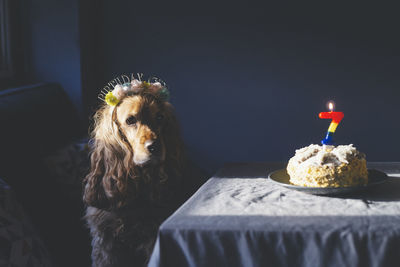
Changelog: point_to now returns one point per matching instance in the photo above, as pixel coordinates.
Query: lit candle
(336, 117)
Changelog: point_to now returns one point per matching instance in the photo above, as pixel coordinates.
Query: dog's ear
(173, 140)
(106, 184)
(94, 194)
(189, 176)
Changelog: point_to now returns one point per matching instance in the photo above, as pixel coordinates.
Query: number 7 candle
(336, 117)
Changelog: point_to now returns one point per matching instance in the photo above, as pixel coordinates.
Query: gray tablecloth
(240, 218)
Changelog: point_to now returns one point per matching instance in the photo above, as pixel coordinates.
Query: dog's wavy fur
(127, 202)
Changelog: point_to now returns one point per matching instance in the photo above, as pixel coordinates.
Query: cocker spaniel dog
(138, 174)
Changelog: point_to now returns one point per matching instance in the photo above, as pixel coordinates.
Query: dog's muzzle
(151, 155)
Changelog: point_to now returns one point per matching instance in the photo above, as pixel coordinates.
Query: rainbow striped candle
(336, 117)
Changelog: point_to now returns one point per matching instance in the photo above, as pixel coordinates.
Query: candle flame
(331, 105)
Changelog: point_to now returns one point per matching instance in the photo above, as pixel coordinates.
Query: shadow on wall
(248, 82)
(52, 41)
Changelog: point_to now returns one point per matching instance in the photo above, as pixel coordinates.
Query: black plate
(281, 177)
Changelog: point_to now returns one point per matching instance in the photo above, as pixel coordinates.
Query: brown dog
(137, 178)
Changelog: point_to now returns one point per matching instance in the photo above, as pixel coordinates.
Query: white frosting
(324, 155)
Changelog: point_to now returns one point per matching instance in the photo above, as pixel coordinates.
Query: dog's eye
(159, 117)
(131, 120)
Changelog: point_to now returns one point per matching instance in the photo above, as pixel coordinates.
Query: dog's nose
(154, 147)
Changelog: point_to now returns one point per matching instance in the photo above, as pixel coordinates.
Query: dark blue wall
(248, 82)
(53, 44)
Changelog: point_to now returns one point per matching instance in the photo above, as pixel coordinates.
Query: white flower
(136, 86)
(118, 91)
(126, 87)
(155, 87)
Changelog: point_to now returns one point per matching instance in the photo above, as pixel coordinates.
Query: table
(240, 218)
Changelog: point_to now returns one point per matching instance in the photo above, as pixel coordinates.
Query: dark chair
(35, 121)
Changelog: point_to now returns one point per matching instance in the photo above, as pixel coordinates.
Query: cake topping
(326, 155)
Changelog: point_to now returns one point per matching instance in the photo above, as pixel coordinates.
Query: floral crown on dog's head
(124, 85)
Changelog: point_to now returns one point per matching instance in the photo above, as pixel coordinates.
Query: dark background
(247, 79)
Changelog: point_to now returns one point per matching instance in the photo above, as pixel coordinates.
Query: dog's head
(134, 142)
(141, 123)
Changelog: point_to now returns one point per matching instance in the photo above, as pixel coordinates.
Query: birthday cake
(328, 166)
